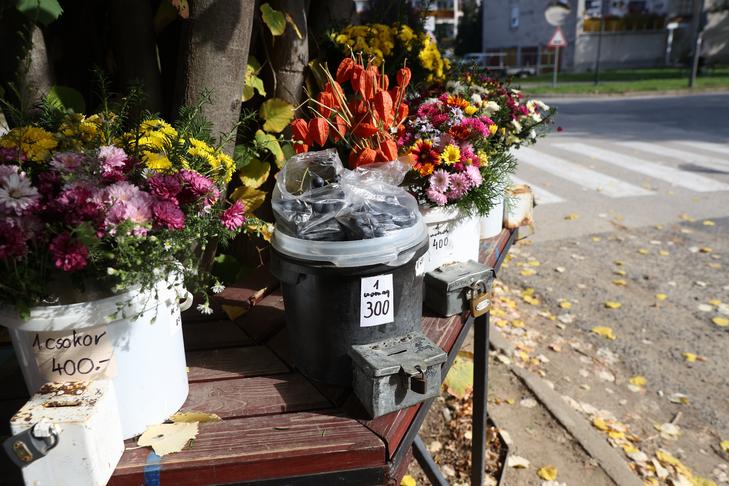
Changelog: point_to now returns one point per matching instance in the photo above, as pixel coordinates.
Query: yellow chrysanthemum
(157, 162)
(227, 163)
(406, 34)
(204, 151)
(33, 142)
(451, 154)
(470, 110)
(493, 128)
(482, 158)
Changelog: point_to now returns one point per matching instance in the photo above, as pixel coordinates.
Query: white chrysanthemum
(217, 288)
(16, 193)
(204, 309)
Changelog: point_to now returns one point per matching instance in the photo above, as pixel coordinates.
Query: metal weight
(480, 302)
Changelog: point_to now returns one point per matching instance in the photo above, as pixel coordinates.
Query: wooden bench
(277, 427)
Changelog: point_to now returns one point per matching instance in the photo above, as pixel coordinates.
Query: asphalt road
(630, 161)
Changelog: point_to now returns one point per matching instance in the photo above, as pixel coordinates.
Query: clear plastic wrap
(316, 198)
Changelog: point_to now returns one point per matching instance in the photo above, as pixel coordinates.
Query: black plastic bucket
(325, 315)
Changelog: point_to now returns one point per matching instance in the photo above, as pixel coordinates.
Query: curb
(595, 445)
(631, 94)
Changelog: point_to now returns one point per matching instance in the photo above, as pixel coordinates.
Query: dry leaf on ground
(604, 331)
(517, 462)
(548, 473)
(200, 417)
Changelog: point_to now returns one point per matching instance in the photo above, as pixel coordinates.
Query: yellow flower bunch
(380, 41)
(76, 130)
(33, 142)
(218, 161)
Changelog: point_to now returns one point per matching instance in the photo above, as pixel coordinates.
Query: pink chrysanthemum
(67, 161)
(68, 255)
(17, 194)
(233, 217)
(113, 162)
(439, 180)
(474, 175)
(165, 187)
(128, 202)
(78, 203)
(460, 184)
(436, 197)
(194, 186)
(168, 215)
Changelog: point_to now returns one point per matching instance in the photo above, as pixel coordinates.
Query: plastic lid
(385, 250)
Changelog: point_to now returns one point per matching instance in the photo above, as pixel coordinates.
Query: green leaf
(41, 11)
(255, 173)
(274, 19)
(288, 150)
(269, 142)
(66, 98)
(251, 198)
(277, 113)
(460, 377)
(242, 155)
(293, 24)
(251, 81)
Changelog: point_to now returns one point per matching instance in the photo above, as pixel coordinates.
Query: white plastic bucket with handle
(453, 236)
(133, 339)
(493, 222)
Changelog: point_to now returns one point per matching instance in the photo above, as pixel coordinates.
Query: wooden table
(277, 427)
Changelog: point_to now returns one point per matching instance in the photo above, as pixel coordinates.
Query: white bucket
(493, 222)
(143, 341)
(453, 236)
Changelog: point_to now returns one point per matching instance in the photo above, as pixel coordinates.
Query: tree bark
(136, 54)
(39, 76)
(289, 53)
(214, 55)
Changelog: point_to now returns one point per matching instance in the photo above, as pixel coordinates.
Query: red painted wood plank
(251, 289)
(214, 334)
(261, 395)
(279, 344)
(264, 319)
(257, 448)
(241, 362)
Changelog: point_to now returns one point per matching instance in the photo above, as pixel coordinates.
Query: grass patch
(625, 81)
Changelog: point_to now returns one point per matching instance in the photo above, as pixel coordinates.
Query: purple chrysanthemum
(165, 187)
(68, 255)
(460, 184)
(436, 197)
(233, 217)
(439, 180)
(168, 215)
(113, 162)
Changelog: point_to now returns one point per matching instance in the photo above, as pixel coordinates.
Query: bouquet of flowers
(358, 112)
(391, 45)
(104, 203)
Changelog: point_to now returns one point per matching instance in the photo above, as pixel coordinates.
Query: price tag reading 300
(376, 302)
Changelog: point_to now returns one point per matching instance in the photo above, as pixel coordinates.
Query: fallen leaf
(661, 296)
(705, 249)
(619, 263)
(708, 222)
(528, 403)
(715, 302)
(200, 417)
(643, 251)
(663, 252)
(669, 431)
(460, 377)
(408, 480)
(234, 311)
(564, 304)
(566, 318)
(168, 438)
(548, 473)
(679, 398)
(611, 304)
(686, 217)
(596, 238)
(690, 357)
(620, 282)
(705, 308)
(720, 321)
(724, 445)
(620, 272)
(571, 217)
(560, 269)
(435, 446)
(528, 272)
(517, 462)
(604, 331)
(600, 424)
(638, 380)
(533, 263)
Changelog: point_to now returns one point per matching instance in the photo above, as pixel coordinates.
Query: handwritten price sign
(76, 356)
(376, 301)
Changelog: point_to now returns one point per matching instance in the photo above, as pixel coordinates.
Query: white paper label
(376, 302)
(420, 266)
(83, 355)
(440, 241)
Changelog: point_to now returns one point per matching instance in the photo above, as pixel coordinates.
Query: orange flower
(456, 101)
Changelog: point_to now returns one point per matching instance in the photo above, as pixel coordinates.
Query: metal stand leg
(429, 467)
(480, 388)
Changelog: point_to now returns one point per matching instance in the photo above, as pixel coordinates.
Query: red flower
(318, 130)
(68, 255)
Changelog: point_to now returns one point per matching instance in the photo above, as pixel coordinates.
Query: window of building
(514, 24)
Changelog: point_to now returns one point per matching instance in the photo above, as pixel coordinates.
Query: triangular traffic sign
(558, 39)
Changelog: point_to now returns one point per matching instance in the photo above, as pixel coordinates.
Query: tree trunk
(214, 56)
(289, 53)
(136, 54)
(39, 76)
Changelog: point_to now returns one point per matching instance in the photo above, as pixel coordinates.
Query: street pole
(698, 10)
(599, 41)
(556, 64)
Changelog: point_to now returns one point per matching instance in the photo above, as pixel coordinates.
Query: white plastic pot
(453, 236)
(493, 222)
(143, 339)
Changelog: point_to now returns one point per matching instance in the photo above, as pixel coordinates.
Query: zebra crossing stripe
(580, 175)
(665, 173)
(718, 148)
(682, 155)
(542, 196)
